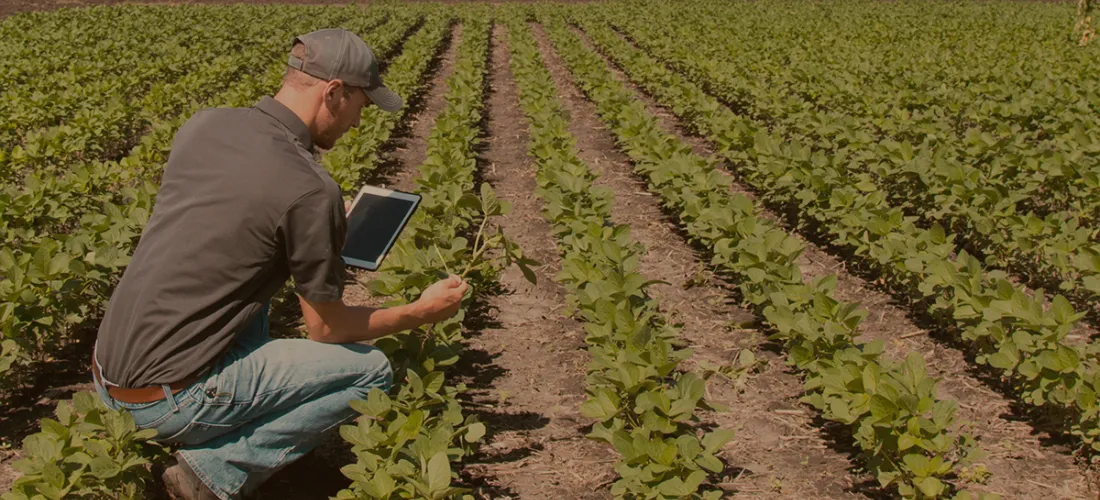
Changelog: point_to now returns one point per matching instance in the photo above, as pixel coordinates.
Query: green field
(880, 220)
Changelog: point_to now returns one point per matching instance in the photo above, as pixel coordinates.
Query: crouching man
(243, 207)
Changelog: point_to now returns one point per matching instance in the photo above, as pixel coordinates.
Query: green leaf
(710, 462)
(53, 476)
(85, 402)
(475, 432)
(412, 426)
(882, 408)
(870, 378)
(51, 426)
(378, 402)
(642, 335)
(914, 368)
(931, 487)
(491, 206)
(675, 487)
(144, 435)
(917, 463)
(469, 201)
(602, 407)
(58, 263)
(43, 447)
(716, 439)
(105, 467)
(383, 484)
(119, 424)
(439, 473)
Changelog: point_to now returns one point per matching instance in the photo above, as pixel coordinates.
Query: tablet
(376, 218)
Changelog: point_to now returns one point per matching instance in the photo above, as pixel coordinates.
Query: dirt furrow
(410, 145)
(531, 394)
(1024, 461)
(777, 451)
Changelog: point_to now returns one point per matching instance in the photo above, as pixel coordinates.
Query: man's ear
(333, 91)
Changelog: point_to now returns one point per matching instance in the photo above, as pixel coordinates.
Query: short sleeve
(313, 231)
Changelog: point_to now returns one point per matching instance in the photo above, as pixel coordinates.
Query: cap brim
(384, 98)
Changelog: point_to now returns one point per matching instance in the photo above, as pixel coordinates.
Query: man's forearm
(344, 323)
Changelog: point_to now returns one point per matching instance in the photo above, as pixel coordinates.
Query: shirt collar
(284, 115)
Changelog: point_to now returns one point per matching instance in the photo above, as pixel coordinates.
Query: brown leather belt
(141, 394)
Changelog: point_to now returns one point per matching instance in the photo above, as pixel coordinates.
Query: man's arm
(337, 322)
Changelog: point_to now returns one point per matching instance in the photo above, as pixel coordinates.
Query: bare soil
(1025, 460)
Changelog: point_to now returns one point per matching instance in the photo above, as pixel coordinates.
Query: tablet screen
(375, 221)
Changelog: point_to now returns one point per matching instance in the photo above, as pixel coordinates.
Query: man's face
(341, 111)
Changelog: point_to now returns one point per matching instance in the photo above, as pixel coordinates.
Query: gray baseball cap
(338, 54)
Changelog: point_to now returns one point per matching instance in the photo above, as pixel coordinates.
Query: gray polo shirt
(242, 207)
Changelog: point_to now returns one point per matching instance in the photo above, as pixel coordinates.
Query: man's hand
(441, 300)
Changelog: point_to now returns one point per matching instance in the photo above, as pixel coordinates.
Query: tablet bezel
(388, 193)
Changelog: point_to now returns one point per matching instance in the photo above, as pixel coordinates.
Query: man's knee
(377, 371)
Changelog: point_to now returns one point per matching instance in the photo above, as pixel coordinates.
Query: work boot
(183, 484)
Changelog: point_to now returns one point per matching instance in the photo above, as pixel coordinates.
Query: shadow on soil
(45, 383)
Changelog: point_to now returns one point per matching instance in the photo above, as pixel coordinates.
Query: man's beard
(326, 141)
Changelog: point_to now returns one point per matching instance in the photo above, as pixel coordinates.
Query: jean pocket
(132, 407)
(219, 389)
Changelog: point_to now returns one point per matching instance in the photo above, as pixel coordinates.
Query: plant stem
(477, 251)
(441, 259)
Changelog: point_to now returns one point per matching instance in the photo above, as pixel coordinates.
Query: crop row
(405, 441)
(644, 406)
(1024, 204)
(1010, 329)
(903, 428)
(929, 87)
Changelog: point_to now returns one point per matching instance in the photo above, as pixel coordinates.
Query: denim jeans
(263, 405)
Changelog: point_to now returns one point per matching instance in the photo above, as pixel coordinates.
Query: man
(243, 206)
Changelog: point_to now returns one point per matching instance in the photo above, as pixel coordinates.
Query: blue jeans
(262, 406)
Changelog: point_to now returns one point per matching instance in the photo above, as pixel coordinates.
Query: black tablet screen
(373, 224)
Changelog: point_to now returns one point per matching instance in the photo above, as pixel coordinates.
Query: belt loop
(170, 397)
